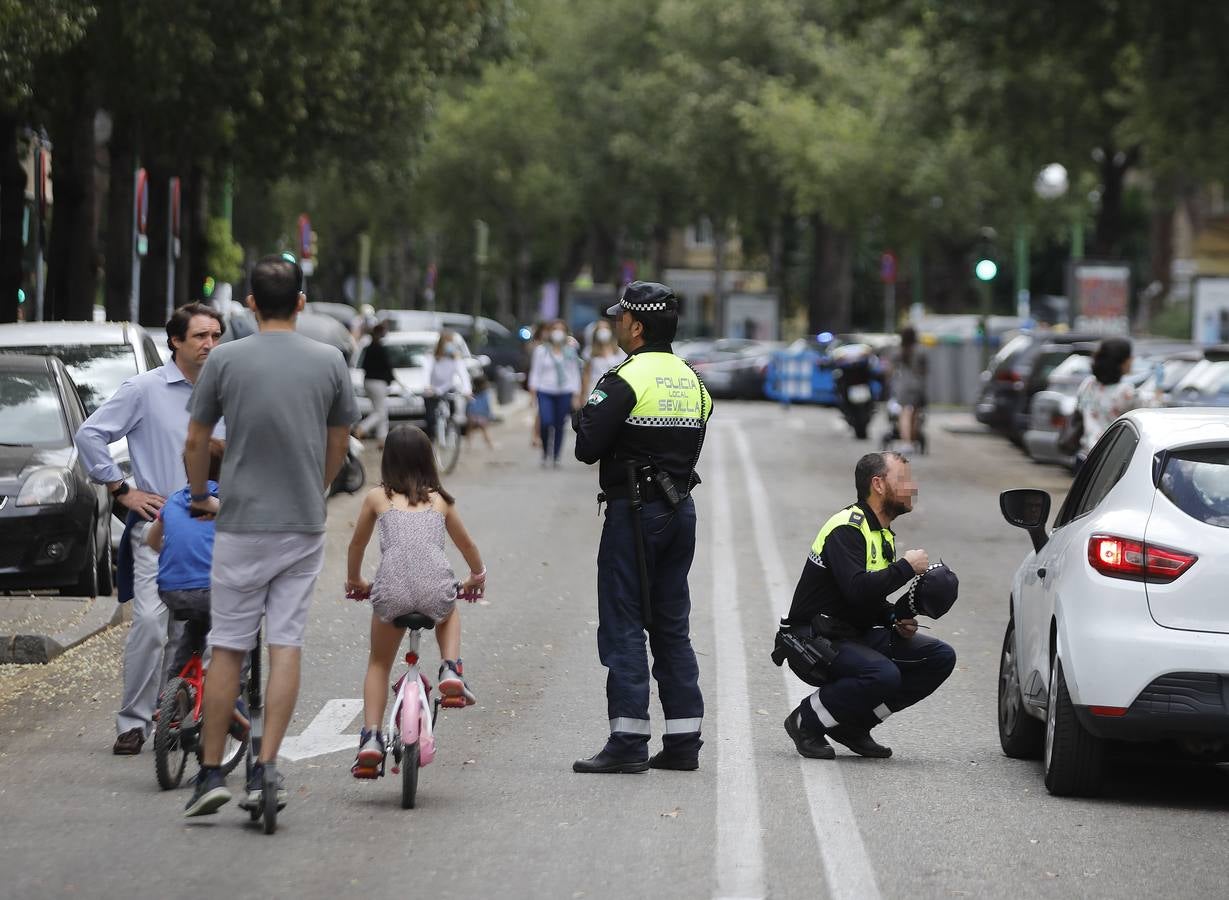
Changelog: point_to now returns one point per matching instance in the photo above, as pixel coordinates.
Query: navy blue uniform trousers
(670, 543)
(881, 673)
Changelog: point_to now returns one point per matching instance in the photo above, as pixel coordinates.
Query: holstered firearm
(810, 655)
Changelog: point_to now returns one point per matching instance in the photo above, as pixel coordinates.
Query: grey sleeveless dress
(414, 573)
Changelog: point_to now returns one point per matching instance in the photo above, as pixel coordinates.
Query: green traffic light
(21, 296)
(208, 288)
(986, 270)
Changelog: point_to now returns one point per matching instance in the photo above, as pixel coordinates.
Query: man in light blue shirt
(151, 411)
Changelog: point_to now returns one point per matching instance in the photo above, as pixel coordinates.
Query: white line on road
(740, 852)
(324, 734)
(847, 867)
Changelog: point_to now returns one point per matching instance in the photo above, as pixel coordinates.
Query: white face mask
(557, 337)
(602, 334)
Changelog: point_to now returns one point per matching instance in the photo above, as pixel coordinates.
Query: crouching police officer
(644, 423)
(874, 661)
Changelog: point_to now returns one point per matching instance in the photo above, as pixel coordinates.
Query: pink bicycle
(411, 722)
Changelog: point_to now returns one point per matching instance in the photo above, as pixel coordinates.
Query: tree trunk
(153, 266)
(719, 292)
(1107, 243)
(119, 222)
(830, 288)
(12, 209)
(72, 281)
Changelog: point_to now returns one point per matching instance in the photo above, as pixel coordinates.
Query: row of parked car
(1028, 390)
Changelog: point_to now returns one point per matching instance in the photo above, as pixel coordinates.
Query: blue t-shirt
(187, 544)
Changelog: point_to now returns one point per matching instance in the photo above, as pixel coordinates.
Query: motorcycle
(858, 376)
(353, 475)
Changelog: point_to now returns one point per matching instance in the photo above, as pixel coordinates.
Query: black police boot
(607, 763)
(859, 741)
(809, 744)
(678, 760)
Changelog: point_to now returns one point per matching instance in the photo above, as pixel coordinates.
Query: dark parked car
(54, 522)
(735, 368)
(1006, 387)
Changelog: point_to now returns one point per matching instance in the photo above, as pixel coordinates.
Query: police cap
(932, 593)
(645, 298)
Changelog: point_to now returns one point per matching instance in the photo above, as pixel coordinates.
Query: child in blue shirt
(185, 557)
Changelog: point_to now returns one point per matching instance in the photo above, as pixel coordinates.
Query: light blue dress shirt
(151, 411)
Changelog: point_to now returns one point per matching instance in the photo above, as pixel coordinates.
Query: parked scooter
(353, 475)
(858, 377)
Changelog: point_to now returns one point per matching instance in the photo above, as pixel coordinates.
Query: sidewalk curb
(103, 613)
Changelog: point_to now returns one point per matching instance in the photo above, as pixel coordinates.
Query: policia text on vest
(644, 426)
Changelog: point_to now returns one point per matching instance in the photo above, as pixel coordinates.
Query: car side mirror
(1027, 508)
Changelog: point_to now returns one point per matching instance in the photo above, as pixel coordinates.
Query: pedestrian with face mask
(603, 355)
(447, 375)
(555, 379)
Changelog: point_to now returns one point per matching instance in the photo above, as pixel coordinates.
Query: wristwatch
(200, 498)
(121, 490)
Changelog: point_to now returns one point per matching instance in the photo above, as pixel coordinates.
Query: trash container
(505, 385)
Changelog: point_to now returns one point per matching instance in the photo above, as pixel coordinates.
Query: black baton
(646, 606)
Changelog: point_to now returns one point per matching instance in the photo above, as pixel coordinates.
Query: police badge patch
(596, 397)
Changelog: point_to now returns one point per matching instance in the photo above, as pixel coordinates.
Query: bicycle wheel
(268, 798)
(170, 756)
(409, 776)
(447, 446)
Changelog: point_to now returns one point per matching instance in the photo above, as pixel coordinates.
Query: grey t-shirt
(279, 392)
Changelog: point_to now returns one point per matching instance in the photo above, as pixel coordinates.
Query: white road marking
(324, 734)
(740, 852)
(847, 867)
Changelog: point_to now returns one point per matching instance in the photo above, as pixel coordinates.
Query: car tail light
(1119, 557)
(1008, 376)
(1112, 712)
(1058, 421)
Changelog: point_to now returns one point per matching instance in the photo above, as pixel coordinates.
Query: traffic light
(985, 270)
(207, 288)
(21, 296)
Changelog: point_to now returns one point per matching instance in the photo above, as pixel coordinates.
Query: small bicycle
(411, 721)
(177, 730)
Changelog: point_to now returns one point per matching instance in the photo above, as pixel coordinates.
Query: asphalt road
(500, 812)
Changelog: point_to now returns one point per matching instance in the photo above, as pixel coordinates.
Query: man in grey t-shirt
(288, 406)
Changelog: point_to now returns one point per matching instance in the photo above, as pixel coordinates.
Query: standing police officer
(882, 664)
(644, 422)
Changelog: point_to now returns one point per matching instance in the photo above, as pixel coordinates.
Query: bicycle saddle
(414, 621)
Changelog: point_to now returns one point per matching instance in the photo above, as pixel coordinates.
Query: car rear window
(408, 356)
(30, 413)
(97, 369)
(1197, 482)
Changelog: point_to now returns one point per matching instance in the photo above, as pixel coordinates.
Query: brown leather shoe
(129, 743)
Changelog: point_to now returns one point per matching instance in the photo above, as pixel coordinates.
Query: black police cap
(932, 593)
(645, 298)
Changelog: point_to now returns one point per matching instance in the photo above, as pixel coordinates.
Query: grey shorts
(270, 574)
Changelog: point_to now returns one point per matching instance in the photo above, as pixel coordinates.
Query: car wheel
(1072, 755)
(87, 582)
(106, 583)
(1020, 735)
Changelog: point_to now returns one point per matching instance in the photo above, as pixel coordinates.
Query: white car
(1119, 625)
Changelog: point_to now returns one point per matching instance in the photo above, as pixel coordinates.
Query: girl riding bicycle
(413, 512)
